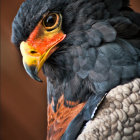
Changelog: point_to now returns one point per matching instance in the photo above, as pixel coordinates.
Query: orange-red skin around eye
(41, 42)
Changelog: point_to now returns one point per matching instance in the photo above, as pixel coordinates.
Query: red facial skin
(41, 41)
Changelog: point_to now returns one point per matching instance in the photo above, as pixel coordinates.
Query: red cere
(42, 43)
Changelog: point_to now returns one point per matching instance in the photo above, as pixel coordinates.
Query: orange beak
(37, 49)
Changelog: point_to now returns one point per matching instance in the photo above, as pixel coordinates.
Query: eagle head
(40, 27)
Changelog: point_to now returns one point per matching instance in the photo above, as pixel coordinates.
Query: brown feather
(59, 121)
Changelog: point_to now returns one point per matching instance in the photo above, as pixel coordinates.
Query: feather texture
(100, 52)
(118, 117)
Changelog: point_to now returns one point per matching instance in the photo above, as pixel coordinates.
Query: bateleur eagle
(85, 48)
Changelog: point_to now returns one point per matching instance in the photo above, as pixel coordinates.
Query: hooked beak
(32, 72)
(33, 58)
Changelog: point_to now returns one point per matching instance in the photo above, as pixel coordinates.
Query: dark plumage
(101, 50)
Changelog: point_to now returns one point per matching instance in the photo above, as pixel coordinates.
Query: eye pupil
(50, 20)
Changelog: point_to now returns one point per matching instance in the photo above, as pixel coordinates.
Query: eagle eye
(51, 21)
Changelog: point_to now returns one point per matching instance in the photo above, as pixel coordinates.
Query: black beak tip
(32, 72)
(35, 77)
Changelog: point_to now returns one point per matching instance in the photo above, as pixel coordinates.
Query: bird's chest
(58, 121)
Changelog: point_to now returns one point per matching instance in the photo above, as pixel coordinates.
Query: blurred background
(22, 100)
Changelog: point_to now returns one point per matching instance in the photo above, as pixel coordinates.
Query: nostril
(33, 52)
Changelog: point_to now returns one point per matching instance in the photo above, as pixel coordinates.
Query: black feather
(101, 50)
